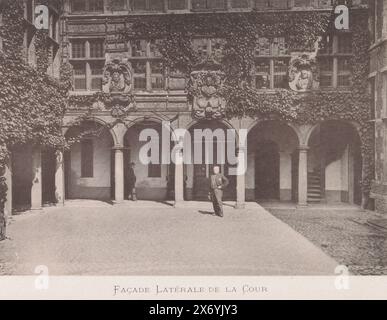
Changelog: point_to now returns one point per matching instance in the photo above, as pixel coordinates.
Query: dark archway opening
(267, 168)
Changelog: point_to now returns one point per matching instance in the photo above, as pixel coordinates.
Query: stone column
(303, 176)
(8, 181)
(241, 180)
(119, 174)
(36, 189)
(179, 179)
(59, 178)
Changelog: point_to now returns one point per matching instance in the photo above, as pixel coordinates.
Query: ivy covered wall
(241, 33)
(32, 104)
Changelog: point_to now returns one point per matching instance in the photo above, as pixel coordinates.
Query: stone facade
(378, 85)
(285, 161)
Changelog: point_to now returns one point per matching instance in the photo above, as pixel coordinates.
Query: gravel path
(352, 237)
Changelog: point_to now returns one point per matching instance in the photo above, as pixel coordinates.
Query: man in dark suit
(217, 184)
(131, 181)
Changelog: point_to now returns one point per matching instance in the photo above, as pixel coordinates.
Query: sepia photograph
(202, 139)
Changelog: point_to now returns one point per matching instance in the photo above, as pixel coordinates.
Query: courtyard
(153, 238)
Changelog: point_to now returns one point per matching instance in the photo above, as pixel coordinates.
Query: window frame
(147, 7)
(147, 58)
(87, 7)
(224, 8)
(334, 55)
(87, 61)
(87, 158)
(271, 58)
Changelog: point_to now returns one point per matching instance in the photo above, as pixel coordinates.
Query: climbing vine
(32, 104)
(240, 33)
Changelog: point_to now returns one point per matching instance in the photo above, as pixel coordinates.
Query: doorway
(267, 166)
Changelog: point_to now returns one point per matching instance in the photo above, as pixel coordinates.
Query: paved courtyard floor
(145, 238)
(353, 237)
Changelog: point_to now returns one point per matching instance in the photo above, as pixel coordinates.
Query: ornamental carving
(303, 74)
(207, 88)
(117, 76)
(120, 105)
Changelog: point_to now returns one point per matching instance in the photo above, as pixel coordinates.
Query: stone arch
(295, 128)
(272, 156)
(90, 174)
(310, 130)
(334, 168)
(98, 120)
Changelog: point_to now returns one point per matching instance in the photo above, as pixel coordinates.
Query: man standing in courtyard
(131, 181)
(217, 184)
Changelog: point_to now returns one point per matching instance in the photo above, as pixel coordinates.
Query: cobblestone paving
(350, 235)
(161, 240)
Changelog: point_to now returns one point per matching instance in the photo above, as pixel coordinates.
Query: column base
(302, 205)
(118, 202)
(179, 204)
(240, 205)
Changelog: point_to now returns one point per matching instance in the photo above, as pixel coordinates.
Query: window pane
(79, 70)
(240, 3)
(139, 48)
(326, 64)
(96, 74)
(139, 5)
(96, 83)
(176, 4)
(96, 70)
(96, 5)
(261, 4)
(302, 3)
(157, 5)
(281, 73)
(326, 45)
(262, 71)
(78, 5)
(118, 4)
(157, 78)
(176, 80)
(139, 83)
(280, 4)
(279, 47)
(139, 67)
(96, 49)
(344, 80)
(215, 4)
(154, 48)
(326, 81)
(344, 65)
(345, 44)
(87, 158)
(263, 47)
(79, 76)
(208, 4)
(199, 4)
(78, 49)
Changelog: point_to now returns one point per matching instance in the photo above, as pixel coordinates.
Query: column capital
(303, 148)
(118, 147)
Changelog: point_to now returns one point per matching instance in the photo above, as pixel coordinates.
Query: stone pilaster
(59, 178)
(303, 176)
(119, 174)
(36, 189)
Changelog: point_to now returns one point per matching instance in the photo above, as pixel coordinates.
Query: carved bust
(303, 73)
(117, 76)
